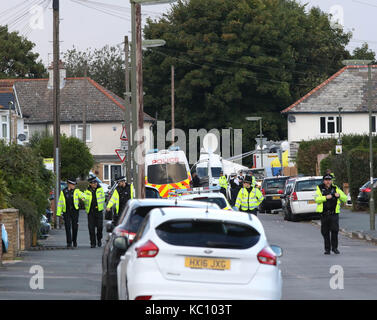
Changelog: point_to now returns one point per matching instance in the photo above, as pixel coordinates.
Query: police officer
(68, 204)
(120, 197)
(328, 199)
(223, 183)
(249, 197)
(195, 182)
(94, 206)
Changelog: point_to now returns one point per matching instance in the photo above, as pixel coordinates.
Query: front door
(116, 172)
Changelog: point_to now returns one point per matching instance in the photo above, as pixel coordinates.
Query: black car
(273, 190)
(286, 199)
(128, 225)
(364, 194)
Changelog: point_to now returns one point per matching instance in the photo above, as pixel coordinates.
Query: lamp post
(260, 134)
(339, 125)
(137, 91)
(368, 63)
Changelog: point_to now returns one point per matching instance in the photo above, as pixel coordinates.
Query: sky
(96, 23)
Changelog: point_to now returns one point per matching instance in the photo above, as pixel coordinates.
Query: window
(330, 125)
(308, 185)
(373, 123)
(106, 172)
(4, 127)
(208, 234)
(166, 173)
(219, 201)
(77, 131)
(26, 132)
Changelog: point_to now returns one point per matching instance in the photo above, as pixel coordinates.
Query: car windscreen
(202, 172)
(216, 171)
(307, 185)
(136, 218)
(166, 173)
(151, 193)
(219, 201)
(208, 234)
(275, 183)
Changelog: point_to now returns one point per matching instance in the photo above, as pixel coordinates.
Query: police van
(166, 170)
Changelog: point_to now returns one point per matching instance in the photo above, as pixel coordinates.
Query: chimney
(62, 72)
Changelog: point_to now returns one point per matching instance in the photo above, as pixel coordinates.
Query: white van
(166, 170)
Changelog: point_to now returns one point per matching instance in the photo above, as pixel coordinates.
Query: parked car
(364, 194)
(302, 199)
(285, 199)
(206, 196)
(272, 189)
(4, 239)
(45, 227)
(191, 254)
(128, 224)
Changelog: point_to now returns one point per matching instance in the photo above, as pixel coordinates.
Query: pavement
(69, 274)
(355, 224)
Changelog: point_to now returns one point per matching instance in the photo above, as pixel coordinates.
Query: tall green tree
(105, 66)
(17, 60)
(76, 159)
(238, 58)
(364, 53)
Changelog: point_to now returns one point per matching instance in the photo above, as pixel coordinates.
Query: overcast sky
(96, 23)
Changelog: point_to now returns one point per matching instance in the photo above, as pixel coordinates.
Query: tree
(28, 182)
(16, 57)
(105, 66)
(76, 159)
(364, 53)
(238, 58)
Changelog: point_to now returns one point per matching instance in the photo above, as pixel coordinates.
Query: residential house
(316, 115)
(104, 116)
(11, 123)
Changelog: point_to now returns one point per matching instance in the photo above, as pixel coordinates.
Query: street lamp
(339, 125)
(260, 134)
(369, 64)
(137, 88)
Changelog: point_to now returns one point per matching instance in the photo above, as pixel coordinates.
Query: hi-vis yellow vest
(320, 199)
(223, 182)
(115, 198)
(100, 194)
(62, 207)
(249, 201)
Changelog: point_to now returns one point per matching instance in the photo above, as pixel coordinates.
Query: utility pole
(85, 104)
(56, 101)
(139, 101)
(371, 201)
(172, 106)
(127, 112)
(10, 104)
(261, 142)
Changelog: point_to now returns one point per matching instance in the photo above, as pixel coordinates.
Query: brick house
(104, 116)
(316, 115)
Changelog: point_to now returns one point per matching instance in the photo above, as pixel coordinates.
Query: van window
(308, 185)
(216, 171)
(166, 173)
(202, 172)
(208, 234)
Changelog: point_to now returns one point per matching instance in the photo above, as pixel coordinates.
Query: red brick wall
(14, 224)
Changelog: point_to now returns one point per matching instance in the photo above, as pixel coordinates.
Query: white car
(302, 198)
(212, 197)
(194, 253)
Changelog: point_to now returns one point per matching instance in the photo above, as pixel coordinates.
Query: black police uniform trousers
(71, 224)
(95, 221)
(330, 230)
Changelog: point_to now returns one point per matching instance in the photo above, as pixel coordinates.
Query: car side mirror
(109, 227)
(235, 208)
(277, 250)
(121, 243)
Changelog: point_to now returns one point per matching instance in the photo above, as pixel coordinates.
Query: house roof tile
(348, 88)
(35, 100)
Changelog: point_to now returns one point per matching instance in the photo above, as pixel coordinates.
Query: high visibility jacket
(320, 199)
(249, 201)
(115, 198)
(62, 207)
(100, 194)
(223, 182)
